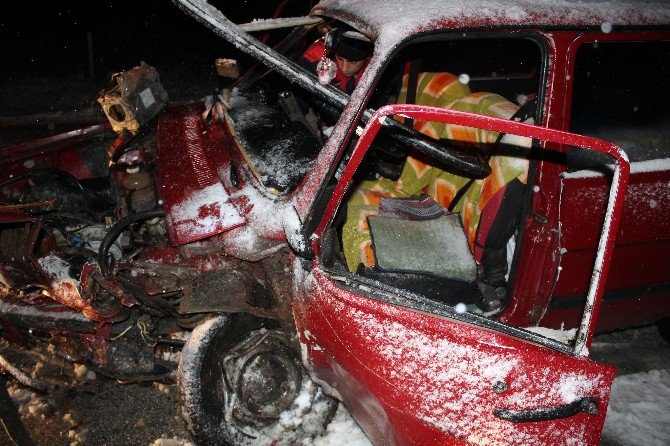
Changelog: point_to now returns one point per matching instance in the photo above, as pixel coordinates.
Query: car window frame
(538, 37)
(391, 295)
(589, 38)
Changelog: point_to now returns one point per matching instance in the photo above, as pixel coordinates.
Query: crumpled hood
(195, 202)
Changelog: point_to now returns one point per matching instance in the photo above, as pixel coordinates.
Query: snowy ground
(99, 411)
(639, 408)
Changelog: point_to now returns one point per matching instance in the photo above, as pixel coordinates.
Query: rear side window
(620, 94)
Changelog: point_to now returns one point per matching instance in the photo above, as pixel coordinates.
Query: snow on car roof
(396, 19)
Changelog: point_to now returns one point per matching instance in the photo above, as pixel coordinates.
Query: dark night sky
(47, 40)
(39, 35)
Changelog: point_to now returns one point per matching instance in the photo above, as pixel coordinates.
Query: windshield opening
(279, 126)
(416, 225)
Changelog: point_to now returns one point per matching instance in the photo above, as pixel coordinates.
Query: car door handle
(585, 404)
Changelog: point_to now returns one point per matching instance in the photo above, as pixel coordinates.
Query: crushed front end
(116, 245)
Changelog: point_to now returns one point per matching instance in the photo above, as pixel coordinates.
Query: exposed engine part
(131, 152)
(117, 229)
(132, 352)
(57, 190)
(225, 291)
(32, 173)
(228, 68)
(141, 187)
(44, 318)
(88, 267)
(91, 237)
(19, 267)
(136, 98)
(43, 189)
(32, 206)
(77, 283)
(155, 227)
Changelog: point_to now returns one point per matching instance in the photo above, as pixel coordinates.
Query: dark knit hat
(353, 49)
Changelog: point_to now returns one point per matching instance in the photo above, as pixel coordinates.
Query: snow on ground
(639, 409)
(343, 430)
(172, 442)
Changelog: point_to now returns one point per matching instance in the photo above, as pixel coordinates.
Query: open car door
(414, 371)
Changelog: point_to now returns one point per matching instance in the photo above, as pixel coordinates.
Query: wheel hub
(265, 376)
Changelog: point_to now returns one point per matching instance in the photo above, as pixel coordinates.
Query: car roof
(396, 19)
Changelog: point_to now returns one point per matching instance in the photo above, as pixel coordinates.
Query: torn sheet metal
(195, 202)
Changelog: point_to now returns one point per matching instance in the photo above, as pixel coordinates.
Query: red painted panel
(641, 310)
(644, 218)
(195, 202)
(37, 147)
(62, 151)
(382, 424)
(635, 274)
(538, 261)
(646, 207)
(431, 379)
(640, 258)
(632, 266)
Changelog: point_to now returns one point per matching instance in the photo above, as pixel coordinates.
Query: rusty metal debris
(137, 97)
(227, 68)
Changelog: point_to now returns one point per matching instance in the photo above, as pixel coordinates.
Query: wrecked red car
(435, 250)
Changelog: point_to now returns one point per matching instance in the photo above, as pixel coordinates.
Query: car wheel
(242, 383)
(664, 328)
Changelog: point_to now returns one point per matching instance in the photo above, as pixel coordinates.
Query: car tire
(242, 383)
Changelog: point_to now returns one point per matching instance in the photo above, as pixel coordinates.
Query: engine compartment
(83, 232)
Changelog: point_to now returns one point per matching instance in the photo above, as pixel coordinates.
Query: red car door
(413, 371)
(619, 93)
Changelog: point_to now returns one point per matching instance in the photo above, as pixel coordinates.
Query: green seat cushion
(437, 247)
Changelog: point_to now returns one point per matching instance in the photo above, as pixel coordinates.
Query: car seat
(488, 207)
